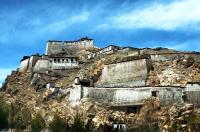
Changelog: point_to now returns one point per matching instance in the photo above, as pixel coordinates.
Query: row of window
(69, 60)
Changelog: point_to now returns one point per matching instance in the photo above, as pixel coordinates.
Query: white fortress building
(55, 47)
(63, 62)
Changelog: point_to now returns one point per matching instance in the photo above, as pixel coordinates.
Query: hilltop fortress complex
(123, 78)
(127, 76)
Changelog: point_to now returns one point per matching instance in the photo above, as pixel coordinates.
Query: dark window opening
(128, 109)
(85, 83)
(154, 93)
(133, 109)
(119, 127)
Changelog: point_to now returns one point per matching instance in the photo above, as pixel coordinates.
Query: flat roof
(193, 82)
(54, 41)
(138, 87)
(125, 104)
(81, 39)
(63, 56)
(130, 58)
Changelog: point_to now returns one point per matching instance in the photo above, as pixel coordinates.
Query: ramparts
(128, 96)
(55, 47)
(125, 74)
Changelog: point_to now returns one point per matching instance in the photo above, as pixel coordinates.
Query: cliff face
(35, 97)
(176, 72)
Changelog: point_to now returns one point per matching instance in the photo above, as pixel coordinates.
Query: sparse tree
(38, 123)
(22, 119)
(3, 115)
(78, 125)
(57, 125)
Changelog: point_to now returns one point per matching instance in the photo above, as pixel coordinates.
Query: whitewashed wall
(32, 62)
(42, 66)
(125, 74)
(170, 57)
(75, 94)
(193, 87)
(65, 64)
(24, 65)
(164, 57)
(193, 93)
(128, 96)
(53, 47)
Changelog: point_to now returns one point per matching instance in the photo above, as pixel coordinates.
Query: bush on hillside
(78, 125)
(57, 125)
(38, 123)
(3, 115)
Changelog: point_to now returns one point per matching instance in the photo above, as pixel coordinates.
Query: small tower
(77, 81)
(53, 47)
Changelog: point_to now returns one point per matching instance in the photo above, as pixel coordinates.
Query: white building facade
(64, 62)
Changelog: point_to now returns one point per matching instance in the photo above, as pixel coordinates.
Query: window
(154, 93)
(71, 60)
(58, 60)
(54, 60)
(119, 127)
(63, 60)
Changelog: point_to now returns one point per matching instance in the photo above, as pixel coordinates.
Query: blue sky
(26, 25)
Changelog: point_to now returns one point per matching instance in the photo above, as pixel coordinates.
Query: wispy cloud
(3, 74)
(178, 14)
(177, 46)
(26, 25)
(182, 46)
(31, 22)
(62, 24)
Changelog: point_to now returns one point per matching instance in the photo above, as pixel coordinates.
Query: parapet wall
(28, 64)
(24, 65)
(32, 62)
(55, 47)
(42, 66)
(193, 93)
(76, 94)
(172, 56)
(125, 74)
(128, 96)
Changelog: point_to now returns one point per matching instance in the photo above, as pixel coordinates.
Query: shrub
(22, 119)
(78, 125)
(13, 110)
(38, 123)
(3, 115)
(57, 125)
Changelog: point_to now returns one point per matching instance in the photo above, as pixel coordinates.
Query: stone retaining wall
(128, 96)
(125, 74)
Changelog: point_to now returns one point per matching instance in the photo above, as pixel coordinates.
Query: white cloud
(102, 26)
(184, 46)
(62, 24)
(178, 14)
(82, 17)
